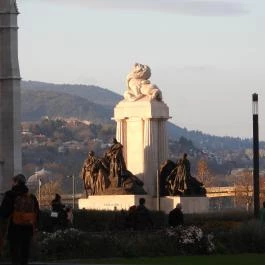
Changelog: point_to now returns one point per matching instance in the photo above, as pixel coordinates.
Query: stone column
(10, 105)
(121, 135)
(143, 135)
(151, 143)
(163, 141)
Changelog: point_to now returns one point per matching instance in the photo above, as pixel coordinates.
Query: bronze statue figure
(116, 161)
(94, 174)
(108, 175)
(176, 179)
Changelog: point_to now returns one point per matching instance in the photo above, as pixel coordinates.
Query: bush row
(96, 221)
(247, 237)
(73, 244)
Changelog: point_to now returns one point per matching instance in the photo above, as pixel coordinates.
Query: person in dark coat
(58, 215)
(176, 217)
(19, 233)
(143, 220)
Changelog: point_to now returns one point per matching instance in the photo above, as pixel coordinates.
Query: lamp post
(73, 188)
(255, 154)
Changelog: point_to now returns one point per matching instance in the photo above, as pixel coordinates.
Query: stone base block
(113, 202)
(189, 204)
(124, 202)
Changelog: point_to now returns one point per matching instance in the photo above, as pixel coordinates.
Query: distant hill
(210, 142)
(96, 104)
(94, 94)
(36, 104)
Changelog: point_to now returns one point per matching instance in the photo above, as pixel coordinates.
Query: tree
(203, 173)
(262, 189)
(47, 192)
(244, 189)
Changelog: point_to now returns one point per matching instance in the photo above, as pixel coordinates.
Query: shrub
(72, 243)
(96, 221)
(248, 237)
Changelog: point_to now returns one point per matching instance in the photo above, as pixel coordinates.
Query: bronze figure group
(176, 180)
(109, 175)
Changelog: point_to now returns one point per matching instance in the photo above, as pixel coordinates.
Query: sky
(207, 56)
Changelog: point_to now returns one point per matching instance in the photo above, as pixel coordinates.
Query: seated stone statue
(138, 85)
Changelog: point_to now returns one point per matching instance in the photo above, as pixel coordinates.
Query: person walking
(22, 210)
(176, 217)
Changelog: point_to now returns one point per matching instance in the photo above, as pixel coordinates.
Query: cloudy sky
(207, 56)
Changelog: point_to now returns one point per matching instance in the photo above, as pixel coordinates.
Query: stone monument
(10, 106)
(141, 126)
(140, 150)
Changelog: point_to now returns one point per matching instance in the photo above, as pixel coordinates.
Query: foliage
(47, 192)
(249, 237)
(105, 235)
(189, 240)
(244, 188)
(203, 173)
(98, 221)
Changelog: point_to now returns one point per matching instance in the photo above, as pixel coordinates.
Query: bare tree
(244, 189)
(203, 173)
(47, 192)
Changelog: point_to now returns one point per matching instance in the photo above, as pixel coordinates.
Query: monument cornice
(8, 27)
(10, 78)
(144, 109)
(6, 12)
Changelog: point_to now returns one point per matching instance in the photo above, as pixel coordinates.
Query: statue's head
(141, 71)
(91, 153)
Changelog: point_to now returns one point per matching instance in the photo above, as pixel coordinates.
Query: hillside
(94, 94)
(96, 103)
(210, 142)
(36, 104)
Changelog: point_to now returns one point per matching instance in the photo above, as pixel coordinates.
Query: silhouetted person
(143, 220)
(58, 214)
(130, 220)
(22, 210)
(176, 217)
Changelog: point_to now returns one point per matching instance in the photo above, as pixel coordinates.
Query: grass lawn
(244, 259)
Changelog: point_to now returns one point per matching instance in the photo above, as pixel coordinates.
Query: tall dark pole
(255, 154)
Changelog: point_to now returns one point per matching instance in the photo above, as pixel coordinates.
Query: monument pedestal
(113, 202)
(189, 204)
(124, 202)
(141, 129)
